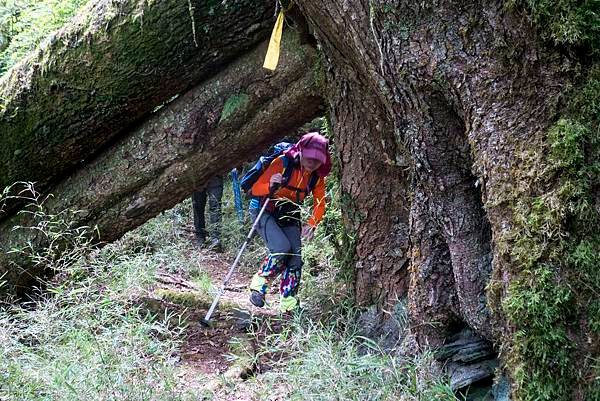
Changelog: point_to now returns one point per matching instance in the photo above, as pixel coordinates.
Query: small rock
(464, 375)
(242, 319)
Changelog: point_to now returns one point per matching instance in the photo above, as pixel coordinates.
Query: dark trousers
(213, 192)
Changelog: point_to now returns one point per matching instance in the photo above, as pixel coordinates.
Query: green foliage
(573, 22)
(86, 335)
(24, 24)
(64, 242)
(331, 361)
(83, 337)
(556, 247)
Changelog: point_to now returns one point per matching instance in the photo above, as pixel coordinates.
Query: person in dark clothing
(214, 193)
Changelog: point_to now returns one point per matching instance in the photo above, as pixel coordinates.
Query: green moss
(185, 298)
(572, 22)
(319, 74)
(23, 25)
(233, 103)
(541, 342)
(566, 144)
(555, 248)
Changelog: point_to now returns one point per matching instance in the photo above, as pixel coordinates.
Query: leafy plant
(24, 24)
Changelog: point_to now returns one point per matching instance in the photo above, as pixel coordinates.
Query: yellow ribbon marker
(272, 57)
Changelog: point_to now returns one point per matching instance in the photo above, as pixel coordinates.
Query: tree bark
(238, 112)
(449, 194)
(408, 55)
(432, 294)
(110, 67)
(471, 91)
(374, 191)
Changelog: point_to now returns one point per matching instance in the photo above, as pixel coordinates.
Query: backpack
(264, 161)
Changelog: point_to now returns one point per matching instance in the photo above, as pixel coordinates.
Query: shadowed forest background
(458, 257)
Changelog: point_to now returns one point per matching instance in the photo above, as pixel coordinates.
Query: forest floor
(123, 323)
(217, 359)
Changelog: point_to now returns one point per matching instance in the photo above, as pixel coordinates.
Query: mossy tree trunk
(239, 111)
(470, 92)
(111, 66)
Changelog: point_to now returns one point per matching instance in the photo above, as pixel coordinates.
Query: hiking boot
(257, 298)
(216, 246)
(288, 304)
(199, 242)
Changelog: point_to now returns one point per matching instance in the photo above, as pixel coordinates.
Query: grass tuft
(331, 361)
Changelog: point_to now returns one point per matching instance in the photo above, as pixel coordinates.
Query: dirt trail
(206, 361)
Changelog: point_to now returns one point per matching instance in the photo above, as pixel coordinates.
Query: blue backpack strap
(287, 172)
(252, 175)
(312, 183)
(262, 164)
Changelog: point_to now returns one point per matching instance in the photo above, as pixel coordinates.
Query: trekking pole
(221, 291)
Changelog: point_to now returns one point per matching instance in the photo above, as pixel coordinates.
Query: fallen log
(213, 127)
(112, 65)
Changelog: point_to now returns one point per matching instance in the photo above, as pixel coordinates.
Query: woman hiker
(300, 170)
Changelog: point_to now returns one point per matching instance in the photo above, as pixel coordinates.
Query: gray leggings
(283, 242)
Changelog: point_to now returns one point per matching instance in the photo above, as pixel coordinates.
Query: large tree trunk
(411, 102)
(429, 90)
(374, 190)
(111, 66)
(238, 112)
(471, 91)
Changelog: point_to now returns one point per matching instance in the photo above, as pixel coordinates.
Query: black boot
(257, 298)
(215, 245)
(199, 242)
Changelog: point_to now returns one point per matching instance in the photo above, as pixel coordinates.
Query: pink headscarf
(315, 146)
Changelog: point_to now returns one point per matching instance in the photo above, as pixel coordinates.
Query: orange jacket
(298, 179)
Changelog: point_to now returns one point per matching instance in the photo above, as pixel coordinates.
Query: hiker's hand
(275, 181)
(308, 232)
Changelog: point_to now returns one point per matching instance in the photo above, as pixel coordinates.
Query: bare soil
(218, 359)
